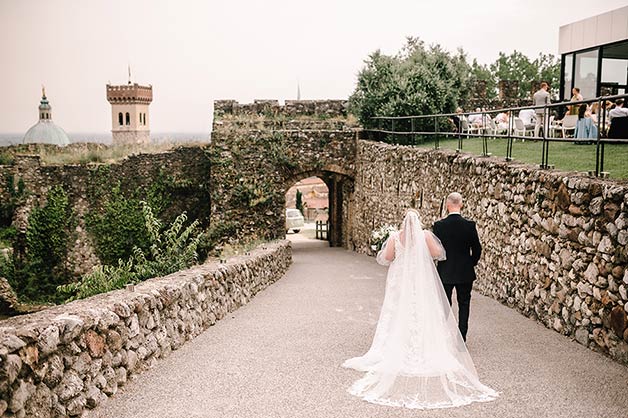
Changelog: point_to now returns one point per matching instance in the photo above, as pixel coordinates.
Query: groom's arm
(476, 247)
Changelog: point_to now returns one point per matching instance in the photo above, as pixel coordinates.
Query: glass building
(594, 55)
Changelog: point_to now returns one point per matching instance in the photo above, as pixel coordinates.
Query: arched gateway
(259, 151)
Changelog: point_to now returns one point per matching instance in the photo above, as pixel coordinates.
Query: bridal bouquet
(380, 235)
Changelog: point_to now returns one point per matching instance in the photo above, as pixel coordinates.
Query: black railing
(403, 129)
(322, 229)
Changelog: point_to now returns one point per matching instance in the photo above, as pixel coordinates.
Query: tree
(418, 80)
(482, 72)
(299, 201)
(517, 66)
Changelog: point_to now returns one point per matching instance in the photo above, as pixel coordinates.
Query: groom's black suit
(459, 236)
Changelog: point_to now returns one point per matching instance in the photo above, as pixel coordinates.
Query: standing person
(541, 98)
(459, 237)
(576, 97)
(418, 358)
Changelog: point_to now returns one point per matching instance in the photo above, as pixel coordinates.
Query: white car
(294, 220)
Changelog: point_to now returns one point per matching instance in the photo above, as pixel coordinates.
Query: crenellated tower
(130, 121)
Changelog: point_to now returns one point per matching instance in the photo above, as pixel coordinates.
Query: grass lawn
(565, 156)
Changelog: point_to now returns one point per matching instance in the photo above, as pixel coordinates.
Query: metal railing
(388, 129)
(322, 229)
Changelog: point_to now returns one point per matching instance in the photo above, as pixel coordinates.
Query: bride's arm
(435, 247)
(387, 254)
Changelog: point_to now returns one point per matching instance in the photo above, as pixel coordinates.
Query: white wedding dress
(418, 358)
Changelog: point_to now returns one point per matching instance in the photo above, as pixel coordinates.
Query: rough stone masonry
(65, 359)
(555, 243)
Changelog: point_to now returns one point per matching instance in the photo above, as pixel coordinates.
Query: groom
(462, 247)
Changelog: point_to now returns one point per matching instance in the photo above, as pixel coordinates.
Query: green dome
(46, 132)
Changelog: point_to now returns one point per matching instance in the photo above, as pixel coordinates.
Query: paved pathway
(280, 356)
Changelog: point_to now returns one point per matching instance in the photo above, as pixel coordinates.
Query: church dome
(45, 131)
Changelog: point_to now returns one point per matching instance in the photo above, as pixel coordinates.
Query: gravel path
(280, 356)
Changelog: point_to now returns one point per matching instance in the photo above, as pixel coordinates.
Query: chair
(619, 128)
(519, 129)
(553, 126)
(490, 126)
(464, 125)
(569, 124)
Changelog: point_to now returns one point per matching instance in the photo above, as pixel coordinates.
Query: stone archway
(340, 185)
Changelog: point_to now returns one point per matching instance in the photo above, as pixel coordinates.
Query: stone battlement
(130, 94)
(291, 108)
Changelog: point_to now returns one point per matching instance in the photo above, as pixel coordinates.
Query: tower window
(120, 119)
(128, 118)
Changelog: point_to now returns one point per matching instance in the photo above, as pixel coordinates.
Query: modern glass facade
(598, 71)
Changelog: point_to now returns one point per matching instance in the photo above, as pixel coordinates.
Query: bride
(418, 358)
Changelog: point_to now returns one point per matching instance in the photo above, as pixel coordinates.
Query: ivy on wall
(118, 228)
(36, 272)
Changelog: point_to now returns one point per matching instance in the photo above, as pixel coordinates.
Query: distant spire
(43, 91)
(129, 73)
(298, 91)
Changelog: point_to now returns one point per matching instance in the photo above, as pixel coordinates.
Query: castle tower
(130, 123)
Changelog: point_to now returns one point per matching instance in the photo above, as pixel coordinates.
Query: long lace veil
(418, 358)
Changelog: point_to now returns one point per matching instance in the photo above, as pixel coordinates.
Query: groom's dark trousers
(459, 237)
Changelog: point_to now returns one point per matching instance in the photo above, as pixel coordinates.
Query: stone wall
(183, 171)
(69, 358)
(291, 108)
(257, 158)
(555, 243)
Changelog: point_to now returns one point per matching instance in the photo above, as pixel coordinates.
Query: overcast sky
(193, 52)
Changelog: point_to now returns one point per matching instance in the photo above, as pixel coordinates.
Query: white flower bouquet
(380, 235)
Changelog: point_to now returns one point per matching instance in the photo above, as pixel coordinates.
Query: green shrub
(217, 232)
(169, 250)
(6, 158)
(7, 235)
(119, 228)
(8, 205)
(35, 277)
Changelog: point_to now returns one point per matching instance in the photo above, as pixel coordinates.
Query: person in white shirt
(619, 111)
(476, 118)
(527, 116)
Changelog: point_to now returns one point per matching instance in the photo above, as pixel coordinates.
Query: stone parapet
(555, 243)
(64, 360)
(272, 108)
(129, 94)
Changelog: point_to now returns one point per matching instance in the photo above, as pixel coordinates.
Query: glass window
(120, 119)
(567, 77)
(614, 71)
(585, 76)
(128, 118)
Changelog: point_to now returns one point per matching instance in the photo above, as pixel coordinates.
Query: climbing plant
(118, 228)
(36, 274)
(169, 250)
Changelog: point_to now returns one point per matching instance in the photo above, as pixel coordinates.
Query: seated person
(457, 119)
(528, 118)
(619, 128)
(619, 111)
(475, 119)
(502, 121)
(585, 128)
